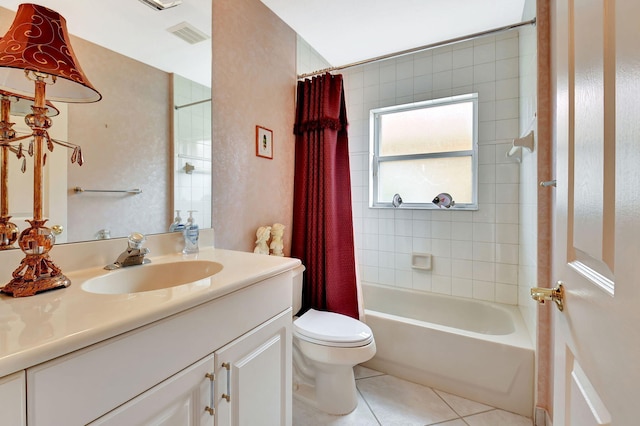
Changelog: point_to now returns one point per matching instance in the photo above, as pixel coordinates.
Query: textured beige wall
(125, 140)
(254, 77)
(546, 172)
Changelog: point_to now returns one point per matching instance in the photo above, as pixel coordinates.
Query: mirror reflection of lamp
(36, 59)
(11, 104)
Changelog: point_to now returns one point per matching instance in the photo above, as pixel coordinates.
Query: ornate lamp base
(8, 233)
(37, 272)
(20, 287)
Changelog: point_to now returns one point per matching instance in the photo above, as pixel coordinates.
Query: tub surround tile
(462, 57)
(441, 284)
(507, 293)
(387, 276)
(484, 290)
(462, 250)
(490, 67)
(421, 245)
(507, 89)
(404, 279)
(422, 281)
(461, 287)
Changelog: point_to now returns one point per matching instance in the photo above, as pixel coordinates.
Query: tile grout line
(373, 413)
(448, 405)
(459, 416)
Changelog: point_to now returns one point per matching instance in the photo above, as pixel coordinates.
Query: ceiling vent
(188, 33)
(161, 4)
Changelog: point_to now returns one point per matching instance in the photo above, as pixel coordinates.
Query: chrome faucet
(133, 255)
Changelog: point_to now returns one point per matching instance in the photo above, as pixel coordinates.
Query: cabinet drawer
(80, 387)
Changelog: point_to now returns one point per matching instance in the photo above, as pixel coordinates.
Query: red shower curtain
(322, 222)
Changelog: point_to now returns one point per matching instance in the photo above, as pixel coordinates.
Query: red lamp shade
(38, 41)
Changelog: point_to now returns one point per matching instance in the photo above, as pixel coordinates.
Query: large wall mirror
(147, 143)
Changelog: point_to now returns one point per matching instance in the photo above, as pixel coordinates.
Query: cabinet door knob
(208, 408)
(227, 395)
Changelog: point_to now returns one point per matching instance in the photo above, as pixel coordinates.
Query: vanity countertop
(42, 327)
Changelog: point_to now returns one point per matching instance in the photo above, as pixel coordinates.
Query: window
(422, 149)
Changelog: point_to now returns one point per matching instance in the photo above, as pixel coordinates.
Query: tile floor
(388, 401)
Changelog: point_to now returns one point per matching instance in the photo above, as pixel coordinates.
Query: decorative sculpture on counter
(36, 58)
(276, 246)
(262, 234)
(444, 200)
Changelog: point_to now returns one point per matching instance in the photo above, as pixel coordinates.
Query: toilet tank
(297, 288)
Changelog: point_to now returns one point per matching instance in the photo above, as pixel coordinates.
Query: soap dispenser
(191, 233)
(177, 225)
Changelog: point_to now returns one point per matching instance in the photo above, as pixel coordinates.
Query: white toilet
(326, 347)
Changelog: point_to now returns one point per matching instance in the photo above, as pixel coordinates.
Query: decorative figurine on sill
(277, 231)
(262, 234)
(444, 200)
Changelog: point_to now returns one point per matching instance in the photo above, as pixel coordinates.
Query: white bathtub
(478, 350)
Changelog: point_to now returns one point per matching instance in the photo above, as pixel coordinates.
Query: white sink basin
(152, 276)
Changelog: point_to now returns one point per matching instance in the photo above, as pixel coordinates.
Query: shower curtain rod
(419, 49)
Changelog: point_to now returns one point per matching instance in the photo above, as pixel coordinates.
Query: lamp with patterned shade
(36, 59)
(11, 104)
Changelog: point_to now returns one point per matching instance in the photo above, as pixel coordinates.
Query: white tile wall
(475, 254)
(307, 59)
(192, 139)
(528, 231)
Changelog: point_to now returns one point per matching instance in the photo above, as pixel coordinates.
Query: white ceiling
(133, 29)
(343, 31)
(346, 31)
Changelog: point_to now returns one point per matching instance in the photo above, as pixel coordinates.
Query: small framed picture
(264, 142)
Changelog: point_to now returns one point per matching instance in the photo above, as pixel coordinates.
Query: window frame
(376, 159)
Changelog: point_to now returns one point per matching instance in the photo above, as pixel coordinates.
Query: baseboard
(542, 417)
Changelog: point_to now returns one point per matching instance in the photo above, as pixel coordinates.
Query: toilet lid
(331, 329)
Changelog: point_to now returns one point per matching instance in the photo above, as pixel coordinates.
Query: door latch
(555, 294)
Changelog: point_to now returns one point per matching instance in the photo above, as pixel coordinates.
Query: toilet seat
(331, 329)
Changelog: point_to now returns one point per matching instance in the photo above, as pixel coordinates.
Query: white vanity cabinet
(245, 383)
(160, 374)
(13, 400)
(253, 377)
(183, 399)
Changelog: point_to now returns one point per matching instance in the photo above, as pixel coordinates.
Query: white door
(596, 74)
